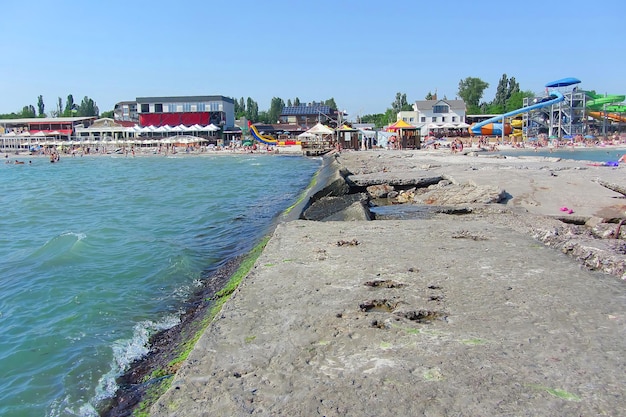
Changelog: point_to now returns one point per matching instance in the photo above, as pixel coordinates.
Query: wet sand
(450, 315)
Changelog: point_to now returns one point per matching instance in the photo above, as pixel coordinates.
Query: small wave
(57, 248)
(126, 351)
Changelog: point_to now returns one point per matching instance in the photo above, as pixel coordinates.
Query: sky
(360, 53)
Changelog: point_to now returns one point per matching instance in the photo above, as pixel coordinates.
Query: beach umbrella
(589, 137)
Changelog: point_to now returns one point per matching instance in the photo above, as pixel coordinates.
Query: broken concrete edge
(328, 197)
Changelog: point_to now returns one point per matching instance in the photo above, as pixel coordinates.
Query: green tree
(296, 101)
(491, 108)
(390, 116)
(429, 96)
(109, 114)
(471, 90)
(11, 115)
(378, 119)
(516, 100)
(264, 117)
(276, 108)
(400, 104)
(506, 87)
(87, 107)
(288, 102)
(40, 106)
(28, 111)
(252, 110)
(331, 103)
(70, 106)
(59, 111)
(240, 108)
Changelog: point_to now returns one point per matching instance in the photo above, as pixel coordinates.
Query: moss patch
(152, 376)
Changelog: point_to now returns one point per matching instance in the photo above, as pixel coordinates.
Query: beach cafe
(20, 134)
(407, 136)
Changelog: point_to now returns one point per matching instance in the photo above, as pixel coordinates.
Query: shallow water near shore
(100, 252)
(600, 154)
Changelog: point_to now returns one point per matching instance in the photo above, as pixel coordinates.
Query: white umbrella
(24, 134)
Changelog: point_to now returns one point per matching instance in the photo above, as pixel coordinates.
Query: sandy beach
(505, 310)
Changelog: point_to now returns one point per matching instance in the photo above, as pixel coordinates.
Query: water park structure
(267, 139)
(607, 109)
(562, 119)
(256, 135)
(562, 112)
(497, 126)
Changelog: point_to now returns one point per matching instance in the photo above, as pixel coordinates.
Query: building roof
(43, 120)
(428, 104)
(304, 110)
(183, 99)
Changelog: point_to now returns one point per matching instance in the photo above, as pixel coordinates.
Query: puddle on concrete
(403, 212)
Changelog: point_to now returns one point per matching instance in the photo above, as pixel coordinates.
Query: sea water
(599, 154)
(98, 253)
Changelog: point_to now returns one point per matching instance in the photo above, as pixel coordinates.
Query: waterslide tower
(563, 119)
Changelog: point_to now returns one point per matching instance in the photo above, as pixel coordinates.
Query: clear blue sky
(361, 53)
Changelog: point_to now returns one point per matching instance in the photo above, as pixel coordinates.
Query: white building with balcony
(429, 115)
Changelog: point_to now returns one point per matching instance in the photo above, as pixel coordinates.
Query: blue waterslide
(558, 97)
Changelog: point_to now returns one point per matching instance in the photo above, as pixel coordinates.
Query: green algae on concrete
(161, 379)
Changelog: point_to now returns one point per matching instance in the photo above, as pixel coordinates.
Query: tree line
(250, 108)
(508, 97)
(87, 107)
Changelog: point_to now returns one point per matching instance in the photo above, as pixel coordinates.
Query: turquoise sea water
(599, 154)
(97, 253)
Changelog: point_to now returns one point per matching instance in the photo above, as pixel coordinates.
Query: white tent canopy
(305, 135)
(210, 128)
(320, 129)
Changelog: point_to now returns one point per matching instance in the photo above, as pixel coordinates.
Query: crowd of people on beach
(457, 144)
(165, 149)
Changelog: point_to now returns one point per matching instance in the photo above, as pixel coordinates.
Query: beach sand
(469, 315)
